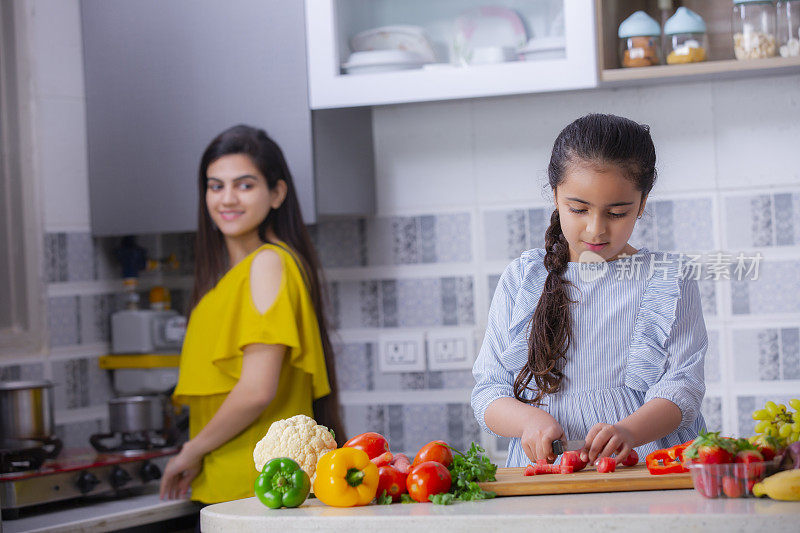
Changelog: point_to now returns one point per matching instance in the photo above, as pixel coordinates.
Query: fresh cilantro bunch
(468, 469)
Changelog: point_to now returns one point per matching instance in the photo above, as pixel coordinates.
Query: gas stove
(78, 473)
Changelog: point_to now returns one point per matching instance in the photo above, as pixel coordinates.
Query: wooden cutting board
(511, 482)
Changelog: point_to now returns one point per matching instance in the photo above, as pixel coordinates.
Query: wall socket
(401, 352)
(451, 349)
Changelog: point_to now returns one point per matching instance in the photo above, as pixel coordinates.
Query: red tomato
(426, 479)
(434, 451)
(374, 444)
(573, 459)
(392, 481)
(606, 465)
(732, 487)
(631, 459)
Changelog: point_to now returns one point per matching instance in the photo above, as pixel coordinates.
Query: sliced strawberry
(752, 464)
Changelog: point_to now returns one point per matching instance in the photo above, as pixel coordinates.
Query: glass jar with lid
(754, 29)
(788, 35)
(686, 41)
(639, 41)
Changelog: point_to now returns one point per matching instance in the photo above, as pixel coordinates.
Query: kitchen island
(651, 511)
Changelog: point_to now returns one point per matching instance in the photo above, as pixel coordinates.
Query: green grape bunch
(778, 422)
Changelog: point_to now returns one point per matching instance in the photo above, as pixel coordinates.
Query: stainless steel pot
(26, 410)
(129, 414)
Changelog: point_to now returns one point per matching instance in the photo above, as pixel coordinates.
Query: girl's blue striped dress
(638, 334)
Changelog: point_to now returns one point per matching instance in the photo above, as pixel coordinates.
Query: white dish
(382, 61)
(406, 38)
(544, 48)
(486, 55)
(489, 26)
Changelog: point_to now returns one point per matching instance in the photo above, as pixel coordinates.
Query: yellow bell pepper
(346, 478)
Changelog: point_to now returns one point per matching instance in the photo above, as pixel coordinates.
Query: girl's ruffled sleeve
(670, 341)
(493, 379)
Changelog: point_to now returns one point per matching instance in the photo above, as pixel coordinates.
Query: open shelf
(728, 68)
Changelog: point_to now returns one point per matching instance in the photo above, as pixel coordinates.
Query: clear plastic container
(788, 34)
(730, 480)
(639, 41)
(686, 38)
(754, 24)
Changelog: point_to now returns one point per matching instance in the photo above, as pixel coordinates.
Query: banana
(781, 486)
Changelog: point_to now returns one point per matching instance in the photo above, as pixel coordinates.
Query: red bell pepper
(667, 460)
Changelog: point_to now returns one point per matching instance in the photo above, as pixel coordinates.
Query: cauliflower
(299, 438)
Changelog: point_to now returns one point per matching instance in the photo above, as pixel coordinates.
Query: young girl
(611, 352)
(256, 347)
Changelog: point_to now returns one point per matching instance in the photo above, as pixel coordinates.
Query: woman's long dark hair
(286, 222)
(595, 139)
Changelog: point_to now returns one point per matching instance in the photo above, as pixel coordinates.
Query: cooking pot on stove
(26, 410)
(130, 414)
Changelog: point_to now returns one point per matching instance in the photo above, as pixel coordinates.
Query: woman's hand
(603, 440)
(179, 473)
(537, 438)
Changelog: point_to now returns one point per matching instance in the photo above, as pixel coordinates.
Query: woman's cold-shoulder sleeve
(493, 379)
(669, 343)
(290, 321)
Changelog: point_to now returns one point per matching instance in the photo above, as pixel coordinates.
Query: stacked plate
(389, 48)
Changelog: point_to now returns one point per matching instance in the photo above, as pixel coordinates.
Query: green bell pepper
(282, 483)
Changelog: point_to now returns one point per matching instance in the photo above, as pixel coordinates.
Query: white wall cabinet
(331, 23)
(162, 78)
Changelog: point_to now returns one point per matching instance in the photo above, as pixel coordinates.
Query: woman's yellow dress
(220, 326)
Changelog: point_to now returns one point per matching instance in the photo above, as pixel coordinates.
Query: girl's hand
(179, 473)
(537, 438)
(604, 440)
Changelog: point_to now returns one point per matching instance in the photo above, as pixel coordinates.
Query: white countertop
(653, 511)
(103, 514)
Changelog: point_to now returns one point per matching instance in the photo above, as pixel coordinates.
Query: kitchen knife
(559, 447)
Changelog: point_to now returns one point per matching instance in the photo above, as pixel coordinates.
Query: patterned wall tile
(453, 238)
(76, 435)
(95, 318)
(418, 304)
(505, 234)
(80, 383)
(774, 290)
(80, 257)
(55, 257)
(354, 367)
(423, 423)
(675, 225)
(769, 354)
(763, 220)
(708, 296)
(22, 372)
(106, 265)
(538, 222)
(64, 320)
(341, 243)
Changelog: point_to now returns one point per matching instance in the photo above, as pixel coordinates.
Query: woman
(256, 347)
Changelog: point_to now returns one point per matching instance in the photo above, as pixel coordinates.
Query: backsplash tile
(768, 354)
(774, 291)
(64, 320)
(712, 413)
(763, 220)
(81, 383)
(409, 427)
(76, 434)
(22, 372)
